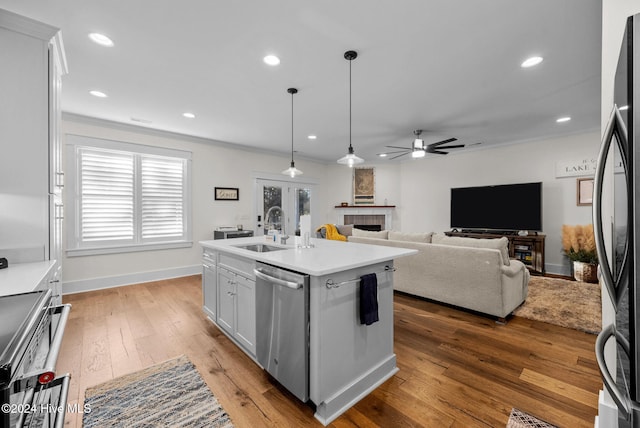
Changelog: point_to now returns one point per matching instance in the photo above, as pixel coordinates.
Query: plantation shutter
(162, 198)
(107, 196)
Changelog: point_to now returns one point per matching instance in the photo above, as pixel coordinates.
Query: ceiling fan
(418, 149)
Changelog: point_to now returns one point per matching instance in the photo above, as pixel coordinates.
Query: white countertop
(23, 277)
(325, 258)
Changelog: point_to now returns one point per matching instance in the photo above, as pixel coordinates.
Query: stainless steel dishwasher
(282, 320)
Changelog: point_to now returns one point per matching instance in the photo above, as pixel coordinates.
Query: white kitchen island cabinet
(347, 360)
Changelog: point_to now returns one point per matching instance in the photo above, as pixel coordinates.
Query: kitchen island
(346, 359)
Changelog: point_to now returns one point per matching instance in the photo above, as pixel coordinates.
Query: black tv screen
(502, 207)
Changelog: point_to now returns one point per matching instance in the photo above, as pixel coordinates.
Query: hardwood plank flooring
(457, 369)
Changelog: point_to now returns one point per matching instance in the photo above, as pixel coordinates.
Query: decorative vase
(585, 272)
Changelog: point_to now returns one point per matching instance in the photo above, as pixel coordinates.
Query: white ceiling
(450, 67)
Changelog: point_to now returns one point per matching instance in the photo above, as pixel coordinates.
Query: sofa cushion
(383, 234)
(501, 244)
(410, 237)
(345, 229)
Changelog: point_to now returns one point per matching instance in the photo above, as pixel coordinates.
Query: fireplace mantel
(366, 210)
(351, 207)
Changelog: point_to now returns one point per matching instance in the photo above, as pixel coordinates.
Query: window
(126, 197)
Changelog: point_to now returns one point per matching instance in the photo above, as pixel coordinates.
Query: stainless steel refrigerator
(618, 171)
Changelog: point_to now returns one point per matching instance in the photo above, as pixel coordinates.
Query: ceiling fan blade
(457, 146)
(438, 152)
(390, 153)
(395, 157)
(396, 147)
(439, 143)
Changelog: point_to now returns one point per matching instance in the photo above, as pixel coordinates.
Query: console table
(528, 249)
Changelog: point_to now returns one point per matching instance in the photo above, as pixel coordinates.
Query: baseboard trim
(84, 285)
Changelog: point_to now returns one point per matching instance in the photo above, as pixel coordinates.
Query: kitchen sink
(260, 248)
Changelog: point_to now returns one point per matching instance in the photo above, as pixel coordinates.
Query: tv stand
(529, 249)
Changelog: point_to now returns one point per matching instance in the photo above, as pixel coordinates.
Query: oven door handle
(56, 343)
(31, 402)
(64, 398)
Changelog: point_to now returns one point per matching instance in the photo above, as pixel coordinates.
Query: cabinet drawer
(209, 256)
(240, 265)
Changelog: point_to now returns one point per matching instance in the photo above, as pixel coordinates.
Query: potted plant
(579, 244)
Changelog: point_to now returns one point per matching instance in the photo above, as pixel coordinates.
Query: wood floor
(456, 369)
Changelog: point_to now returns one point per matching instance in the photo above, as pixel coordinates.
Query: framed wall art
(585, 191)
(363, 186)
(227, 193)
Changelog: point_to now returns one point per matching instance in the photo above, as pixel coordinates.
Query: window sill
(78, 252)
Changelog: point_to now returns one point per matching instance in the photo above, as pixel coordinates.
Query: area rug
(169, 394)
(571, 304)
(520, 419)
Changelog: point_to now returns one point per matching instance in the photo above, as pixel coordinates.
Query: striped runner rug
(169, 394)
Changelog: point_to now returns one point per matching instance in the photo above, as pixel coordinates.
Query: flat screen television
(503, 207)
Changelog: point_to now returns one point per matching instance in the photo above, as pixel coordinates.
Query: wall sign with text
(584, 167)
(227, 194)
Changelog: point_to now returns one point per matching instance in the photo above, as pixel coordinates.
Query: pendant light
(292, 171)
(350, 158)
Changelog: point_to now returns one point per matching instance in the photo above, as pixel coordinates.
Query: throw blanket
(332, 233)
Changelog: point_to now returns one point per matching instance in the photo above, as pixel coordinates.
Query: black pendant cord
(292, 91)
(350, 148)
(292, 128)
(350, 56)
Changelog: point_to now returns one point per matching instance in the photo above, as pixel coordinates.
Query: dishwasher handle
(278, 281)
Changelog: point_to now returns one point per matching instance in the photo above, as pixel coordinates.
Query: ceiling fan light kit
(350, 158)
(292, 171)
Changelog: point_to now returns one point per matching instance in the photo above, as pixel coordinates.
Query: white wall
(425, 193)
(213, 165)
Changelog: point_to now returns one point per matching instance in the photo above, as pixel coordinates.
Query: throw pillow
(345, 229)
(501, 244)
(383, 234)
(424, 237)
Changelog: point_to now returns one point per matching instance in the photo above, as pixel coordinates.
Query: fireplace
(366, 218)
(369, 227)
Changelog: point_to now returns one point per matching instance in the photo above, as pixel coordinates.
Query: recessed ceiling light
(530, 62)
(189, 115)
(101, 39)
(98, 94)
(312, 137)
(271, 60)
(563, 119)
(623, 108)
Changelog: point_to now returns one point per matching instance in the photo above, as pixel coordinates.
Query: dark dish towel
(368, 299)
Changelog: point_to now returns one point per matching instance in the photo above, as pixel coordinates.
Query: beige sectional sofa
(475, 274)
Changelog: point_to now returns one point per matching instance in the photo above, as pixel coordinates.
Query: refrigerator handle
(615, 127)
(624, 403)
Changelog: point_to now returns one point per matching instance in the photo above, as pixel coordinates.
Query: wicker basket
(585, 272)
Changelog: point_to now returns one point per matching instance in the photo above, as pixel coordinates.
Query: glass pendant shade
(350, 159)
(292, 171)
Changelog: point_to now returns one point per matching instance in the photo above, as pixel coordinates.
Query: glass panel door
(279, 205)
(271, 207)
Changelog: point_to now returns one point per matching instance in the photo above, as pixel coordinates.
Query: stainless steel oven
(31, 332)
